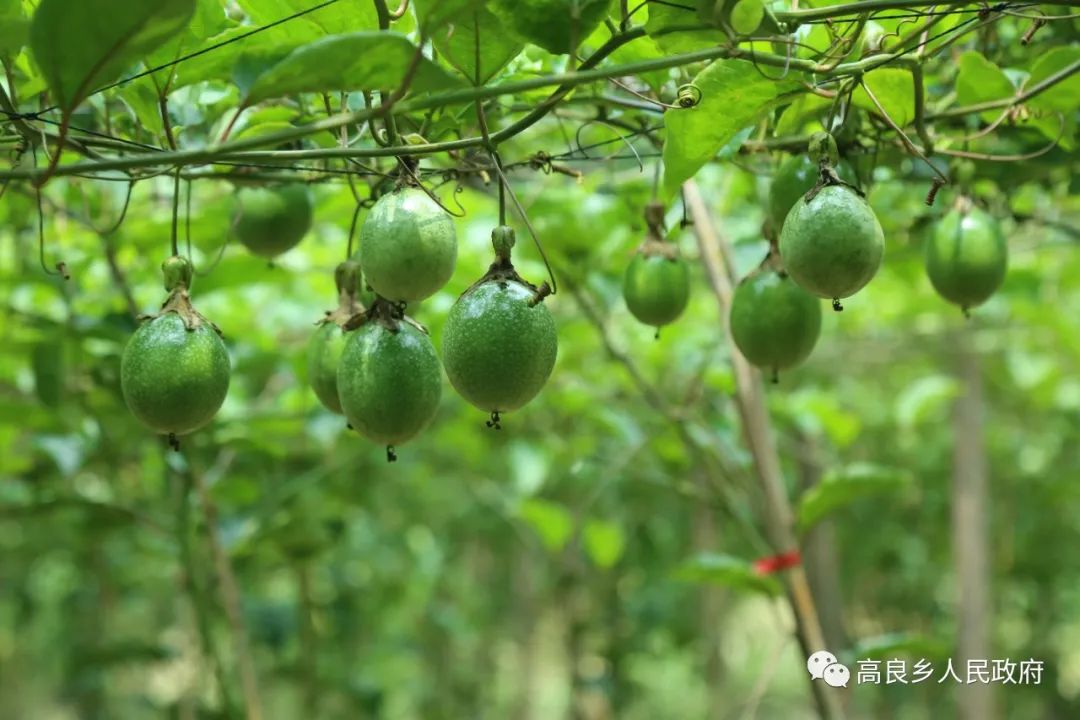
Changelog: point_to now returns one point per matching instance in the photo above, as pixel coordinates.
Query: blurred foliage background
(592, 559)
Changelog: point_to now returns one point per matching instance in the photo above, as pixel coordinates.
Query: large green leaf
(1065, 96)
(14, 26)
(456, 42)
(840, 488)
(342, 16)
(729, 571)
(980, 80)
(894, 89)
(434, 14)
(83, 45)
(357, 61)
(734, 95)
(678, 29)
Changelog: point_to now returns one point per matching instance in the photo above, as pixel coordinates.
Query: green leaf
(348, 63)
(894, 89)
(84, 45)
(840, 488)
(435, 14)
(604, 542)
(664, 19)
(551, 521)
(344, 16)
(980, 80)
(456, 42)
(1065, 96)
(734, 95)
(717, 569)
(14, 27)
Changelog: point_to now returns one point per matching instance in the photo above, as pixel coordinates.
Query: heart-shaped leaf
(81, 46)
(346, 63)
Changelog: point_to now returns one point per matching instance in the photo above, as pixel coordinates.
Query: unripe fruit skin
(324, 355)
(408, 246)
(549, 23)
(174, 380)
(967, 257)
(270, 221)
(793, 179)
(389, 383)
(499, 352)
(656, 288)
(774, 322)
(833, 245)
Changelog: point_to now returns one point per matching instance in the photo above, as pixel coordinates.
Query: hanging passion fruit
(656, 286)
(174, 373)
(795, 177)
(967, 256)
(328, 342)
(774, 322)
(558, 26)
(408, 246)
(271, 220)
(832, 243)
(389, 378)
(500, 341)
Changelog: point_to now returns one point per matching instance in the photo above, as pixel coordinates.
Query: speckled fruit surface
(832, 245)
(656, 288)
(408, 246)
(174, 380)
(774, 322)
(272, 220)
(967, 257)
(324, 355)
(499, 352)
(389, 383)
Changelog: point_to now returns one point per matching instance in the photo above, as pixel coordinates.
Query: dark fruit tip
(495, 423)
(391, 456)
(836, 306)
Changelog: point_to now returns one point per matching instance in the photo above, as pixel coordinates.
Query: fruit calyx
(655, 243)
(347, 280)
(502, 270)
(385, 312)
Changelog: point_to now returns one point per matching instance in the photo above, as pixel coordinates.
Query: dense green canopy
(596, 553)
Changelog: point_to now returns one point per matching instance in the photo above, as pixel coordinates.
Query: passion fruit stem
(503, 240)
(654, 218)
(177, 272)
(822, 149)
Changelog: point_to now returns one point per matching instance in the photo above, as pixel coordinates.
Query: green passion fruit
(558, 26)
(793, 179)
(832, 244)
(389, 381)
(328, 342)
(774, 322)
(656, 287)
(967, 257)
(323, 357)
(272, 220)
(174, 379)
(408, 246)
(499, 345)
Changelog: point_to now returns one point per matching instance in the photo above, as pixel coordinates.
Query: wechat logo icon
(823, 665)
